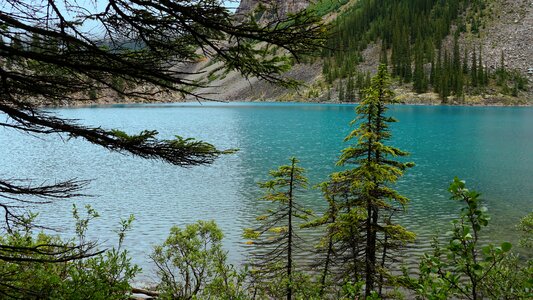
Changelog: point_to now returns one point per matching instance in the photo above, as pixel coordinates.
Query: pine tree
(457, 69)
(473, 70)
(465, 62)
(277, 234)
(383, 59)
(432, 73)
(341, 92)
(350, 89)
(375, 170)
(338, 252)
(445, 78)
(419, 76)
(481, 72)
(437, 81)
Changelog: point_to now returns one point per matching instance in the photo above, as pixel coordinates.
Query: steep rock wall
(271, 8)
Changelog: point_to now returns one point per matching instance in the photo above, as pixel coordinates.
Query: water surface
(490, 147)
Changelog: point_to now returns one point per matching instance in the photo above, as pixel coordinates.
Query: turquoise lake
(489, 147)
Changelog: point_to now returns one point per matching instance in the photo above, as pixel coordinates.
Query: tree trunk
(289, 248)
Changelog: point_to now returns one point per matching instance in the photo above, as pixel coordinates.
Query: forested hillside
(413, 38)
(438, 51)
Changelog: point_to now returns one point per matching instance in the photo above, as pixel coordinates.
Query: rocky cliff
(266, 9)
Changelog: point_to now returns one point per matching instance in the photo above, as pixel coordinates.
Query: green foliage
(466, 269)
(361, 200)
(526, 228)
(106, 275)
(147, 140)
(398, 25)
(411, 31)
(511, 278)
(323, 7)
(277, 235)
(92, 94)
(192, 264)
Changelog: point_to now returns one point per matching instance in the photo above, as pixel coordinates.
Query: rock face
(270, 8)
(510, 33)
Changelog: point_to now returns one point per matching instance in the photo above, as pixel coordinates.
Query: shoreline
(418, 103)
(402, 97)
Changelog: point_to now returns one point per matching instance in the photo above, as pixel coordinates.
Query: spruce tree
(480, 70)
(432, 73)
(438, 73)
(277, 232)
(337, 256)
(445, 78)
(465, 62)
(350, 89)
(457, 69)
(419, 75)
(341, 91)
(375, 170)
(473, 70)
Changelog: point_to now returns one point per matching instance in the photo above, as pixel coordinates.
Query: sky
(40, 8)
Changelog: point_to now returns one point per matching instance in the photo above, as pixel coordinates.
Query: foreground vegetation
(48, 54)
(357, 258)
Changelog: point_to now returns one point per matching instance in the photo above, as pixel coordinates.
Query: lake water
(490, 147)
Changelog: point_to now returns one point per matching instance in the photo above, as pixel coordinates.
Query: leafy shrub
(464, 268)
(41, 273)
(192, 264)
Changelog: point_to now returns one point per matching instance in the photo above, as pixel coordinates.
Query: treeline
(411, 35)
(397, 24)
(459, 72)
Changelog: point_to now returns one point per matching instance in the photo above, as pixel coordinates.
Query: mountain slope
(488, 28)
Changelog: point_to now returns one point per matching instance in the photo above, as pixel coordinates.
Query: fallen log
(145, 292)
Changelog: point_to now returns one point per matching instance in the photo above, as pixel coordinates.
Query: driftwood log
(150, 294)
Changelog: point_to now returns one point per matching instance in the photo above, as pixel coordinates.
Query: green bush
(191, 264)
(37, 271)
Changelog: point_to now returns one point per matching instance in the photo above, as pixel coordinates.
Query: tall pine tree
(375, 170)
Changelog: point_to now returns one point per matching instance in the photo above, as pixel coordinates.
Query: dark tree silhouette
(61, 52)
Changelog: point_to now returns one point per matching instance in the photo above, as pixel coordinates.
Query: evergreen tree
(419, 76)
(465, 62)
(350, 89)
(481, 72)
(277, 234)
(457, 69)
(445, 78)
(375, 170)
(383, 55)
(502, 62)
(341, 92)
(339, 251)
(432, 73)
(36, 43)
(473, 70)
(397, 26)
(437, 81)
